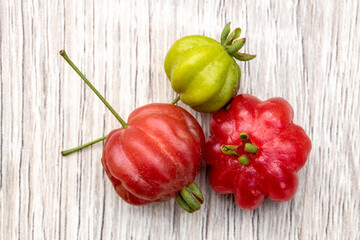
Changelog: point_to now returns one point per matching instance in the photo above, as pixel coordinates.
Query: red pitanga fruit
(255, 150)
(157, 155)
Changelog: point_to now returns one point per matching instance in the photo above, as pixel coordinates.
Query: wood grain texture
(307, 52)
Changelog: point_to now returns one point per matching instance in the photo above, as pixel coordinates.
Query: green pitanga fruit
(203, 71)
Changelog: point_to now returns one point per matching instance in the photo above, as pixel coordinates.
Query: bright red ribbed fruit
(255, 150)
(156, 155)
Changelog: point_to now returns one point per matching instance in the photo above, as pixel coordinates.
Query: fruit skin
(202, 72)
(283, 148)
(156, 155)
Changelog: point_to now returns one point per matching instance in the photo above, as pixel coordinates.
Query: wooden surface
(307, 52)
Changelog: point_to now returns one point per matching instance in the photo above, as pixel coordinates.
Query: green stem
(67, 59)
(72, 150)
(175, 100)
(124, 124)
(75, 149)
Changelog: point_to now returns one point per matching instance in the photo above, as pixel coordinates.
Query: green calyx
(248, 147)
(244, 160)
(190, 198)
(229, 149)
(244, 137)
(232, 44)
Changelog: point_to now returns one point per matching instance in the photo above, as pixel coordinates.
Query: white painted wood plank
(307, 52)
